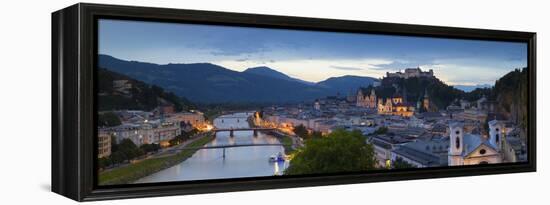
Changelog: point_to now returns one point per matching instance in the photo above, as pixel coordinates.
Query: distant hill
(268, 72)
(346, 84)
(136, 96)
(469, 88)
(209, 83)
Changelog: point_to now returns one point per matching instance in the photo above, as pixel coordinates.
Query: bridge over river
(234, 153)
(232, 130)
(228, 146)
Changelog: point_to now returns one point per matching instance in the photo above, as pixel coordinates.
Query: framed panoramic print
(152, 102)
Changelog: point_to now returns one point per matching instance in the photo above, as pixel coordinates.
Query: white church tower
(496, 134)
(456, 143)
(317, 105)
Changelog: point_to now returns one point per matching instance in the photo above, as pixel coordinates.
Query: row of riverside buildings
(147, 128)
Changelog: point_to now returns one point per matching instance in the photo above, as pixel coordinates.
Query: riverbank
(287, 144)
(135, 171)
(285, 139)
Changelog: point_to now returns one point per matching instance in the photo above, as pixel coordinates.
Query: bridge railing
(240, 129)
(228, 146)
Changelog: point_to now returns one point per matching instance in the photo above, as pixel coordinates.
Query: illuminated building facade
(368, 101)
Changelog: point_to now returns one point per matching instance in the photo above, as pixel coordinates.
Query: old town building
(367, 101)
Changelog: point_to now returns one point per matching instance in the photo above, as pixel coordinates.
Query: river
(239, 161)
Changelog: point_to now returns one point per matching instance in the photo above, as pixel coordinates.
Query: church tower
(426, 102)
(496, 134)
(456, 143)
(372, 99)
(317, 105)
(380, 105)
(360, 98)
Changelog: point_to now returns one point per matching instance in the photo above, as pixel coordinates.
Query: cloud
(314, 70)
(345, 68)
(469, 74)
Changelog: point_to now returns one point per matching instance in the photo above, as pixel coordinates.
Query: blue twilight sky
(310, 55)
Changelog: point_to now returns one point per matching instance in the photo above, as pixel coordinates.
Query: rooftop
(423, 158)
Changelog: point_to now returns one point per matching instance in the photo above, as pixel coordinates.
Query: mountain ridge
(267, 71)
(211, 83)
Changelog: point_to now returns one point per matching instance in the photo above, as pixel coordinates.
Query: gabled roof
(472, 142)
(485, 146)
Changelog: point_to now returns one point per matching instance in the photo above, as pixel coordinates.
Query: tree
(117, 157)
(108, 119)
(316, 135)
(301, 131)
(128, 149)
(114, 145)
(380, 131)
(399, 163)
(103, 162)
(148, 148)
(340, 151)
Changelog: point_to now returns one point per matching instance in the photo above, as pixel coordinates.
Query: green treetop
(340, 151)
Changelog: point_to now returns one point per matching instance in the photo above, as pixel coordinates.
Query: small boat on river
(279, 157)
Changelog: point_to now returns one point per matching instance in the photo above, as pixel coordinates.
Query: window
(482, 151)
(457, 132)
(497, 138)
(484, 162)
(457, 142)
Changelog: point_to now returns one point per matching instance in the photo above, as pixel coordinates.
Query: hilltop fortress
(410, 73)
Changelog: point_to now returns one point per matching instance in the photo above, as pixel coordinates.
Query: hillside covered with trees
(511, 96)
(138, 95)
(414, 89)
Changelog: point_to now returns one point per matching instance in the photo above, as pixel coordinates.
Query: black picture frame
(74, 49)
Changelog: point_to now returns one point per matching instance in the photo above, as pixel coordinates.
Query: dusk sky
(310, 55)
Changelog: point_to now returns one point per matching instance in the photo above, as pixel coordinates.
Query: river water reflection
(239, 161)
